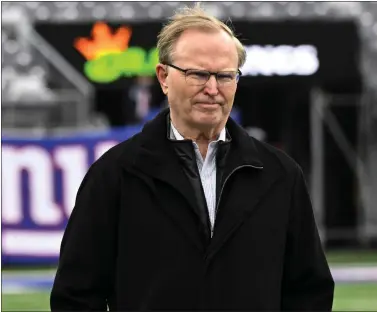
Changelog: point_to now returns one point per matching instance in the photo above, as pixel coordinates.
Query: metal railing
(70, 80)
(361, 159)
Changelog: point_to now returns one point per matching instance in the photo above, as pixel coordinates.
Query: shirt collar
(179, 137)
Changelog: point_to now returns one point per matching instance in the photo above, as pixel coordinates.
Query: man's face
(209, 105)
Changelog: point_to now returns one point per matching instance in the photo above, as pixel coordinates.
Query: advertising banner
(40, 180)
(322, 52)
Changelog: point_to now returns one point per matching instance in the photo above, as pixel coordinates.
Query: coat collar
(155, 142)
(175, 135)
(155, 157)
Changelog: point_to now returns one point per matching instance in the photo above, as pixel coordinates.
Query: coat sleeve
(307, 281)
(87, 255)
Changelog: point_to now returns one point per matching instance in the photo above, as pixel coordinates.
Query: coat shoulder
(120, 150)
(111, 161)
(271, 154)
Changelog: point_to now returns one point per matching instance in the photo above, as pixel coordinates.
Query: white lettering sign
(280, 60)
(40, 190)
(36, 163)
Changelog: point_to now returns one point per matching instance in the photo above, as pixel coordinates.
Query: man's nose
(211, 86)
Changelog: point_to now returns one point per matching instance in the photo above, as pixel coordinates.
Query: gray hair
(188, 18)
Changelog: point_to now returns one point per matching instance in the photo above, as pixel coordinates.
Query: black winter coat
(132, 241)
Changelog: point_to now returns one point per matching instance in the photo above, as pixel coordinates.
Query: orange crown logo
(103, 42)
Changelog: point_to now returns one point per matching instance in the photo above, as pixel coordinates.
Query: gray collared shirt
(207, 170)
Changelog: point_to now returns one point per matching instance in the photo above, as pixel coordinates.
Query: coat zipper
(222, 188)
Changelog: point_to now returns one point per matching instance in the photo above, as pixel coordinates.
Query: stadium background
(309, 88)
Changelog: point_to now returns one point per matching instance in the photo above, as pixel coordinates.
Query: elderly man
(192, 213)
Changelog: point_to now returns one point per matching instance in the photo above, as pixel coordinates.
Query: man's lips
(207, 105)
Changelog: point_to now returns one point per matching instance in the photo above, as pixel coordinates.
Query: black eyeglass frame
(206, 71)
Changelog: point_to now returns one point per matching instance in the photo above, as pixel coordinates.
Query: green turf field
(26, 302)
(355, 297)
(360, 296)
(348, 297)
(348, 257)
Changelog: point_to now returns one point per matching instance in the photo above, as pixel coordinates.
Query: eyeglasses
(197, 77)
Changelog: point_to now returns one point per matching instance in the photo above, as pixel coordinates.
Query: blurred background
(78, 77)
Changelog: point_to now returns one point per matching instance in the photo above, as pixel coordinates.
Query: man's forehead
(193, 33)
(198, 42)
(205, 50)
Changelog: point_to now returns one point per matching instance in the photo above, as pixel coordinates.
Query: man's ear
(161, 73)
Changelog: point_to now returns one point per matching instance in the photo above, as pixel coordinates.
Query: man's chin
(207, 119)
